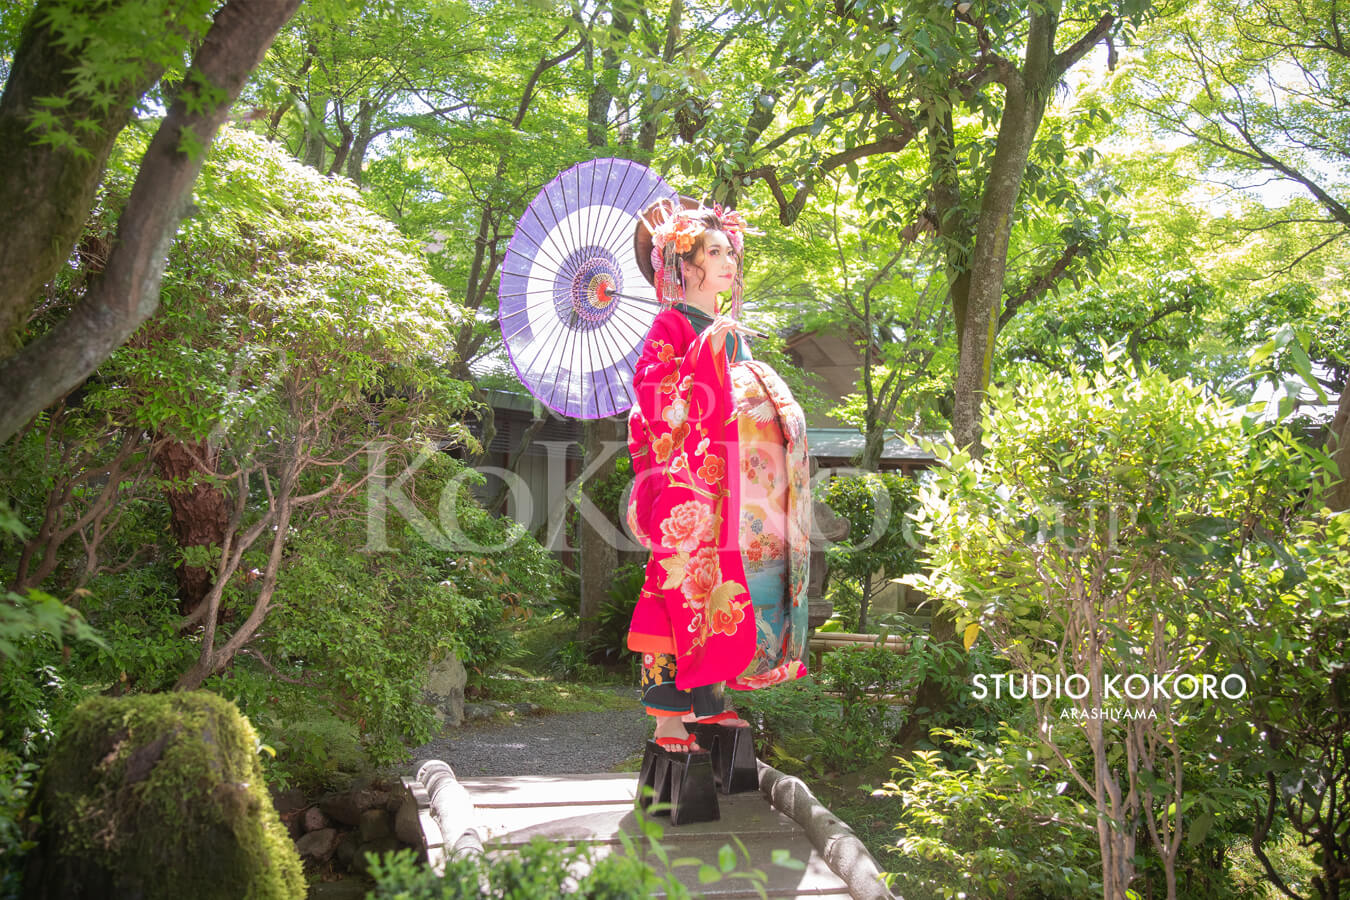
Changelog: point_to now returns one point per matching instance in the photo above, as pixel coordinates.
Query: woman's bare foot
(669, 730)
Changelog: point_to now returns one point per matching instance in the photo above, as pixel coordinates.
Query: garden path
(551, 744)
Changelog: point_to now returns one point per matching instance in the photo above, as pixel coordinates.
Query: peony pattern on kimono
(695, 597)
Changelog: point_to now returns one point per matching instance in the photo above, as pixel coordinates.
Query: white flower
(675, 413)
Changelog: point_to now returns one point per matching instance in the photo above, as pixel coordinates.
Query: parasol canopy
(574, 306)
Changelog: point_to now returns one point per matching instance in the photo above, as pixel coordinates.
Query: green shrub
(354, 639)
(862, 679)
(1001, 821)
(16, 785)
(542, 870)
(608, 644)
(881, 538)
(785, 718)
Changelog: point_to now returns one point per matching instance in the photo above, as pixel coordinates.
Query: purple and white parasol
(574, 307)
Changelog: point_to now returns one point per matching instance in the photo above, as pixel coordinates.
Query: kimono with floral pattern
(685, 508)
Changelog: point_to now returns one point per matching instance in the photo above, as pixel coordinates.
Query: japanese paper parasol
(574, 306)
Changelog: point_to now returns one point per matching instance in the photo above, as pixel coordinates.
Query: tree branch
(1071, 54)
(1039, 285)
(127, 292)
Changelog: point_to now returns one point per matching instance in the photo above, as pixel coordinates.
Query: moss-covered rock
(158, 796)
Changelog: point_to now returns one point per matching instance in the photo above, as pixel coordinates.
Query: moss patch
(159, 796)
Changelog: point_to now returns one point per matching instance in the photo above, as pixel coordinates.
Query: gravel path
(554, 744)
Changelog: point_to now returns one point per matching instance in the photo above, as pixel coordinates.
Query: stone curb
(446, 814)
(841, 848)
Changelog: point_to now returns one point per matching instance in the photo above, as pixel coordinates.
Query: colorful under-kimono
(721, 497)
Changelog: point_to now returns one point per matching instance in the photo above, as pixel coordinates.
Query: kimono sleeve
(664, 376)
(665, 388)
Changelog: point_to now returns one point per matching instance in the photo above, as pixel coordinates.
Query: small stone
(406, 827)
(313, 819)
(346, 850)
(347, 807)
(396, 797)
(526, 709)
(383, 845)
(318, 845)
(289, 801)
(474, 712)
(374, 825)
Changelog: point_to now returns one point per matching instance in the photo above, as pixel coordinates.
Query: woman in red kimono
(721, 494)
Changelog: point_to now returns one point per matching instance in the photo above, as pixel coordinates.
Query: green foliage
(541, 870)
(309, 292)
(1136, 503)
(609, 642)
(1000, 819)
(121, 49)
(607, 492)
(881, 538)
(351, 646)
(849, 714)
(865, 681)
(16, 785)
(1295, 742)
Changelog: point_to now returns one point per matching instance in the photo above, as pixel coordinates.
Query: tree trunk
(647, 133)
(46, 190)
(344, 148)
(864, 602)
(1338, 445)
(356, 160)
(1022, 111)
(1025, 95)
(874, 442)
(127, 291)
(599, 556)
(313, 145)
(198, 513)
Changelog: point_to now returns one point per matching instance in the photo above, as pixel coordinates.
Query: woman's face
(717, 260)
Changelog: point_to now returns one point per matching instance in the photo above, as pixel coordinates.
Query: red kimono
(695, 603)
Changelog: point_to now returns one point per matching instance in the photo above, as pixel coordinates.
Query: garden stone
(374, 825)
(346, 850)
(474, 712)
(445, 690)
(289, 801)
(348, 806)
(407, 828)
(315, 820)
(158, 796)
(383, 845)
(319, 845)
